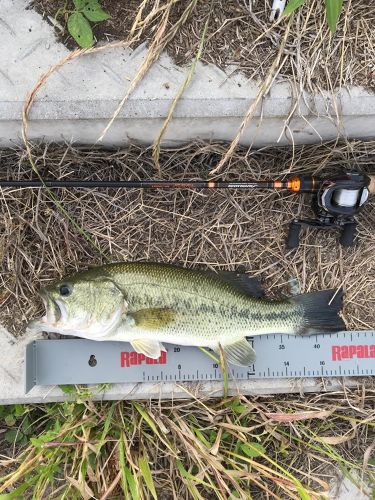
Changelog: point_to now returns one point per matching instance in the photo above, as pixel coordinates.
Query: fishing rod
(335, 200)
(292, 184)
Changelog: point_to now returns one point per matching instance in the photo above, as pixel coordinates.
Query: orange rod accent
(295, 184)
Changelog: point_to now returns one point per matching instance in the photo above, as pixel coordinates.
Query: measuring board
(76, 361)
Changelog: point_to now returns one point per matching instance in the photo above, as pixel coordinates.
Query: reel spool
(335, 205)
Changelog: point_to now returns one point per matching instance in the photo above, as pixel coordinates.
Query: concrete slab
(12, 377)
(342, 488)
(79, 99)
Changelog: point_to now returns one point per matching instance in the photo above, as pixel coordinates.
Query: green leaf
(80, 29)
(253, 449)
(147, 476)
(68, 389)
(131, 482)
(26, 426)
(333, 10)
(190, 477)
(201, 437)
(10, 420)
(79, 4)
(303, 494)
(107, 424)
(13, 436)
(371, 461)
(94, 12)
(16, 494)
(212, 436)
(19, 410)
(146, 417)
(121, 456)
(292, 6)
(43, 438)
(240, 408)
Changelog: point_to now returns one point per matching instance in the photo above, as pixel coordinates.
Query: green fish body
(148, 304)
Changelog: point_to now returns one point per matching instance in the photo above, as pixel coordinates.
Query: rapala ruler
(76, 361)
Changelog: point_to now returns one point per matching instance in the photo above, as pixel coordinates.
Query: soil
(242, 37)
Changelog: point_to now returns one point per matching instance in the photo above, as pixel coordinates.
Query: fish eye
(65, 290)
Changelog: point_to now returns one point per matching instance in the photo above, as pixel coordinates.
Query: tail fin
(321, 311)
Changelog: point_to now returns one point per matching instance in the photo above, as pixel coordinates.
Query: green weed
(333, 11)
(229, 448)
(79, 18)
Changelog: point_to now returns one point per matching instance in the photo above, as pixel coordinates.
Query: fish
(149, 304)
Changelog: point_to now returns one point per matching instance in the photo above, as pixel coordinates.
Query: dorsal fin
(240, 281)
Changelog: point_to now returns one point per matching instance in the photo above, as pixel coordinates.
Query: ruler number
(281, 346)
(179, 367)
(176, 349)
(316, 346)
(215, 365)
(286, 363)
(322, 363)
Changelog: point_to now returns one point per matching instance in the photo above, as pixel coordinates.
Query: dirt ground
(209, 229)
(240, 37)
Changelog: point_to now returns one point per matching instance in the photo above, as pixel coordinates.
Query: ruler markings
(278, 356)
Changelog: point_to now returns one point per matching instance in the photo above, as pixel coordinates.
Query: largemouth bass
(147, 304)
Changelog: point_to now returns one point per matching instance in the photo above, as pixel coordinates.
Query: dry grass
(215, 229)
(241, 35)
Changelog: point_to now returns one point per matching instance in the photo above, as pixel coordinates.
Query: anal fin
(150, 348)
(239, 353)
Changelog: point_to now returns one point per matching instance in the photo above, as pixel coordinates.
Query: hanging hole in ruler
(92, 360)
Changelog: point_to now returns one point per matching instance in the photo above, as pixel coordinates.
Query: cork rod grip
(371, 186)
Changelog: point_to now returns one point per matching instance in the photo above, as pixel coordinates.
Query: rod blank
(151, 184)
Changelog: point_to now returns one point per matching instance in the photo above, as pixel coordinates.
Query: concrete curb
(79, 99)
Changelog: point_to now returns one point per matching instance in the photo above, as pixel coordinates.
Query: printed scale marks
(76, 361)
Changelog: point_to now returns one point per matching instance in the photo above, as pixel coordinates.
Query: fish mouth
(52, 308)
(54, 312)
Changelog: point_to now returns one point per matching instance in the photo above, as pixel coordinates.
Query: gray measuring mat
(76, 361)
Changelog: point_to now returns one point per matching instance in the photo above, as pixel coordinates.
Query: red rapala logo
(134, 358)
(340, 352)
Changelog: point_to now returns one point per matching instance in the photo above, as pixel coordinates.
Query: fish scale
(206, 294)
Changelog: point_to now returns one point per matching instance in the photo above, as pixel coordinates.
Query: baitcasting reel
(335, 203)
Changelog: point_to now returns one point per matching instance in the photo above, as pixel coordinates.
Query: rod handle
(371, 186)
(293, 235)
(348, 234)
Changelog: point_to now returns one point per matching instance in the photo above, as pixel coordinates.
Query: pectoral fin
(239, 353)
(152, 319)
(150, 348)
